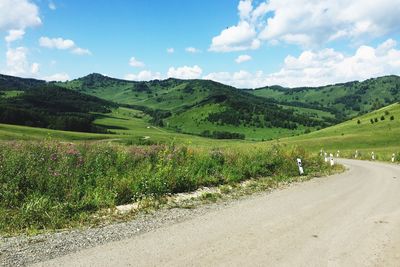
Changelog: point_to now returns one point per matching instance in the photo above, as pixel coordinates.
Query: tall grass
(48, 185)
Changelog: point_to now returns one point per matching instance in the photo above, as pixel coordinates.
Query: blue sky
(243, 43)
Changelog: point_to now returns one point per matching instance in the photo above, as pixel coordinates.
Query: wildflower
(73, 152)
(80, 162)
(54, 157)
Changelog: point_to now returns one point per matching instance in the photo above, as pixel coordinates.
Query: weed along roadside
(363, 154)
(49, 186)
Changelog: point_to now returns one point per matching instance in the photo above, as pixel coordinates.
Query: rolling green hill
(378, 131)
(49, 106)
(198, 107)
(344, 100)
(205, 107)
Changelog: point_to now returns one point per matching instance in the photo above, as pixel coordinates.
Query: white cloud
(59, 77)
(328, 66)
(35, 68)
(245, 7)
(170, 50)
(192, 50)
(17, 63)
(308, 23)
(185, 72)
(322, 67)
(136, 63)
(18, 15)
(236, 38)
(52, 5)
(62, 44)
(57, 43)
(243, 58)
(14, 35)
(239, 79)
(81, 51)
(144, 75)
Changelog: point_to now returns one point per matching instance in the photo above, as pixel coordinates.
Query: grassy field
(382, 137)
(131, 127)
(127, 126)
(195, 121)
(8, 94)
(50, 185)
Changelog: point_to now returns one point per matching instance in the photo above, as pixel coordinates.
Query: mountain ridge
(204, 106)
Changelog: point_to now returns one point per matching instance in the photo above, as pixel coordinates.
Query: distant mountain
(205, 107)
(11, 83)
(346, 100)
(37, 103)
(218, 104)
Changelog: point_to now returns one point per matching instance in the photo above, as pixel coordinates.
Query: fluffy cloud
(17, 63)
(239, 79)
(329, 66)
(81, 51)
(170, 50)
(57, 43)
(236, 38)
(144, 75)
(192, 50)
(308, 23)
(59, 77)
(185, 72)
(243, 58)
(14, 35)
(326, 66)
(18, 15)
(136, 63)
(62, 44)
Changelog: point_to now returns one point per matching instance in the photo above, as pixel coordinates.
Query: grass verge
(49, 185)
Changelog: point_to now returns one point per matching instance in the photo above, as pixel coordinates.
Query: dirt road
(351, 219)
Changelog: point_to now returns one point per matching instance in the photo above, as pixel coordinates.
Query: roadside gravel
(25, 250)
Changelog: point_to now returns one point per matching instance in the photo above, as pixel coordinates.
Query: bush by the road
(50, 185)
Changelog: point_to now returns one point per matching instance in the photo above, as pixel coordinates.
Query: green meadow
(381, 137)
(131, 126)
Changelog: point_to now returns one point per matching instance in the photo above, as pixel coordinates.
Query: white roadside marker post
(332, 160)
(373, 156)
(326, 157)
(393, 157)
(300, 165)
(356, 155)
(338, 154)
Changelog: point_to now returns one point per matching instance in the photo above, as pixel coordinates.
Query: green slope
(237, 112)
(202, 107)
(125, 125)
(382, 137)
(345, 100)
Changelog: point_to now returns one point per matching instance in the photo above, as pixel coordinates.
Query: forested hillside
(48, 106)
(200, 107)
(345, 100)
(221, 108)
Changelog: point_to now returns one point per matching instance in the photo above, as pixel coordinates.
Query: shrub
(51, 185)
